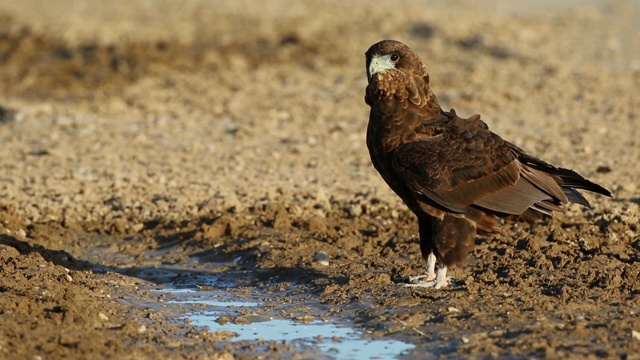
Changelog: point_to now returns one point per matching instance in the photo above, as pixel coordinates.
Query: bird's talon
(418, 278)
(415, 281)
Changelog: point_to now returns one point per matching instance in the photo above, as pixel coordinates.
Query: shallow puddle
(222, 313)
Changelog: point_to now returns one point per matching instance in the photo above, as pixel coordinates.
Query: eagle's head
(389, 55)
(396, 75)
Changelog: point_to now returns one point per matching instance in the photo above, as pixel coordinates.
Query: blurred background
(166, 107)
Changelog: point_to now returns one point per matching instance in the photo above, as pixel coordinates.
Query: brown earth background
(227, 138)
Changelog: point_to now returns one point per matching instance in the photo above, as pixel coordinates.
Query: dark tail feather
(575, 197)
(572, 179)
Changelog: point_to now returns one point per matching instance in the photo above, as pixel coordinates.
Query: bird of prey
(454, 174)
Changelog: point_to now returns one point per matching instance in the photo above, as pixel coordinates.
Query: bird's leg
(431, 266)
(439, 281)
(431, 270)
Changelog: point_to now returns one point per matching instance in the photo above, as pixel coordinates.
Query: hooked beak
(380, 64)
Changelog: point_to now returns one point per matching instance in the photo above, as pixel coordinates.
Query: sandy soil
(139, 136)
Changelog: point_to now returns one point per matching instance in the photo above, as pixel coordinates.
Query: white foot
(439, 281)
(420, 278)
(431, 271)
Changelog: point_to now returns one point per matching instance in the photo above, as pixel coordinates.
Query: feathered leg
(447, 241)
(436, 276)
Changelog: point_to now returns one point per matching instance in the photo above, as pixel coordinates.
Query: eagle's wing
(466, 164)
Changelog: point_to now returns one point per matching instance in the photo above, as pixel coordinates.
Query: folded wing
(467, 166)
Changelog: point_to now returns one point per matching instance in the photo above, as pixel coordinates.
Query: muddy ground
(152, 144)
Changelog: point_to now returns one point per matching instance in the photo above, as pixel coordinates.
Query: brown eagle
(455, 174)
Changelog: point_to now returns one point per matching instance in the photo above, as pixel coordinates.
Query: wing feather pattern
(467, 166)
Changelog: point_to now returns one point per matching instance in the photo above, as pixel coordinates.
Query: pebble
(225, 334)
(321, 258)
(249, 319)
(103, 317)
(306, 318)
(322, 198)
(635, 334)
(353, 210)
(223, 319)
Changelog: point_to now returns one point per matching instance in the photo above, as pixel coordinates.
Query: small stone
(635, 334)
(321, 258)
(452, 309)
(173, 344)
(465, 340)
(323, 199)
(224, 335)
(137, 227)
(249, 319)
(222, 320)
(395, 329)
(353, 210)
(142, 329)
(103, 317)
(305, 318)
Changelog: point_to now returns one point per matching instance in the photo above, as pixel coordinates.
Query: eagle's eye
(394, 57)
